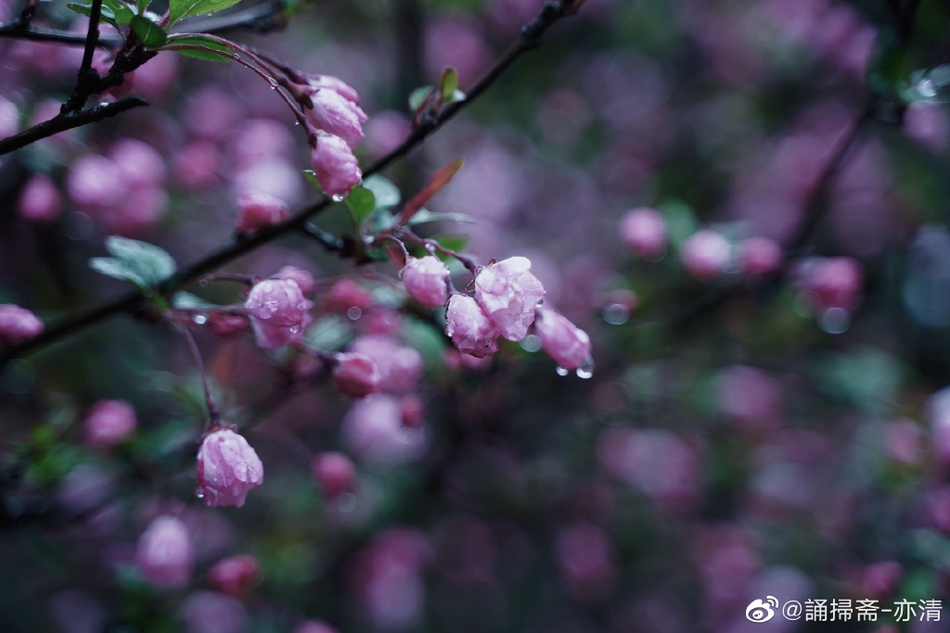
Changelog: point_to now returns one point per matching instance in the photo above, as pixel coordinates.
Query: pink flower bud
(228, 468)
(259, 210)
(329, 82)
(335, 114)
(644, 232)
(138, 163)
(164, 553)
(227, 325)
(346, 294)
(40, 200)
(335, 473)
(400, 367)
(109, 422)
(426, 281)
(373, 431)
(18, 325)
(91, 182)
(705, 255)
(356, 375)
(509, 294)
(299, 275)
(832, 282)
(314, 626)
(279, 312)
(335, 165)
(470, 328)
(760, 256)
(235, 575)
(413, 411)
(563, 341)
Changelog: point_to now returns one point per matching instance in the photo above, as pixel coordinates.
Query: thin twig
(551, 13)
(87, 79)
(68, 121)
(213, 416)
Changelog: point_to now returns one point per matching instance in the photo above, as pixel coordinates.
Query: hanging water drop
(561, 371)
(338, 197)
(294, 329)
(199, 319)
(586, 371)
(199, 494)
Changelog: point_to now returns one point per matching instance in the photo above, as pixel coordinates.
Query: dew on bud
(531, 343)
(354, 314)
(199, 494)
(346, 502)
(339, 197)
(199, 319)
(616, 314)
(561, 371)
(295, 329)
(834, 320)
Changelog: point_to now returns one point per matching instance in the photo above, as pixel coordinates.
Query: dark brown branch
(68, 121)
(552, 12)
(87, 78)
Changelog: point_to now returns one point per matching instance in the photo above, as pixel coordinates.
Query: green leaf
(418, 96)
(361, 203)
(313, 180)
(149, 33)
(424, 215)
(448, 83)
(137, 262)
(180, 9)
(86, 10)
(205, 42)
(329, 334)
(379, 220)
(122, 11)
(451, 242)
(386, 193)
(187, 301)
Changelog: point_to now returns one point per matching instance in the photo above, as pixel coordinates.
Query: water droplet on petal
(199, 319)
(561, 371)
(200, 494)
(294, 329)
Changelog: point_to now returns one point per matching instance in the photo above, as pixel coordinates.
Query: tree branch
(87, 79)
(68, 121)
(552, 12)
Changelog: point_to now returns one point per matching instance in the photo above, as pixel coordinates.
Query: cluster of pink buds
(333, 108)
(506, 304)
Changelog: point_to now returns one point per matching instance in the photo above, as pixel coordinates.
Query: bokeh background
(735, 441)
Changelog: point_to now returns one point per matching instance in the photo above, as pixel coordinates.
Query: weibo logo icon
(761, 610)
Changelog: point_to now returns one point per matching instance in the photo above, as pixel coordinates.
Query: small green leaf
(142, 5)
(187, 301)
(105, 13)
(180, 9)
(329, 334)
(448, 83)
(424, 215)
(386, 193)
(146, 261)
(452, 242)
(379, 220)
(149, 33)
(111, 267)
(218, 51)
(122, 11)
(418, 96)
(312, 179)
(361, 203)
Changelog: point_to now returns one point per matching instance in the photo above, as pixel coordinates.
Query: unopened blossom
(759, 256)
(373, 431)
(164, 553)
(705, 255)
(303, 278)
(228, 469)
(426, 280)
(833, 282)
(400, 367)
(644, 232)
(40, 201)
(335, 473)
(509, 294)
(335, 165)
(279, 312)
(259, 210)
(335, 114)
(470, 328)
(329, 82)
(18, 325)
(356, 375)
(109, 422)
(235, 575)
(563, 341)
